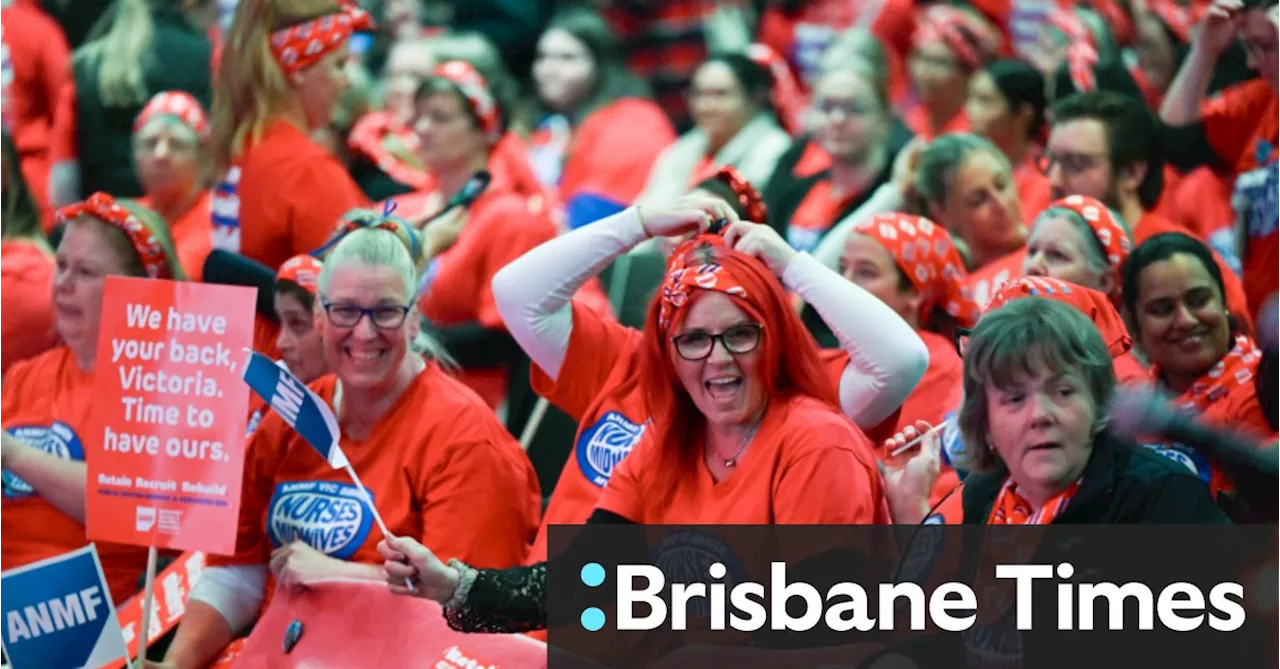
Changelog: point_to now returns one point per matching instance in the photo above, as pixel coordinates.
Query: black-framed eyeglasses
(383, 317)
(739, 339)
(1071, 163)
(962, 340)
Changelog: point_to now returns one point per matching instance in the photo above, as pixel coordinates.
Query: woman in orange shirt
(26, 269)
(1173, 291)
(1005, 104)
(591, 368)
(48, 399)
(1078, 239)
(170, 152)
(949, 45)
(910, 264)
(459, 124)
(437, 463)
(281, 75)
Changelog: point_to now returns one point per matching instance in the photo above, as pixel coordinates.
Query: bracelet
(643, 227)
(467, 578)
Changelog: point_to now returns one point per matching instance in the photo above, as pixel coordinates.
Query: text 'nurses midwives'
(163, 398)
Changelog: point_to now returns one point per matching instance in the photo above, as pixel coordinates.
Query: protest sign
(167, 453)
(58, 613)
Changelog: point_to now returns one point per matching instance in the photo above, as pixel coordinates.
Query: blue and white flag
(298, 405)
(58, 614)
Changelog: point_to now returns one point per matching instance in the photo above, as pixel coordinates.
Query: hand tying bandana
(747, 194)
(1109, 233)
(1090, 302)
(690, 271)
(105, 208)
(924, 252)
(299, 47)
(179, 105)
(477, 94)
(303, 270)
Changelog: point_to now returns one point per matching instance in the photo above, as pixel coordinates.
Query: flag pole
(147, 603)
(376, 516)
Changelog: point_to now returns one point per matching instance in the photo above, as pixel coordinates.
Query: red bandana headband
(105, 208)
(961, 33)
(686, 274)
(1090, 302)
(303, 270)
(1108, 231)
(1180, 20)
(299, 47)
(747, 194)
(477, 93)
(179, 105)
(787, 96)
(924, 252)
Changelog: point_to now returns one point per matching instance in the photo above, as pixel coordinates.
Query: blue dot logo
(592, 574)
(592, 619)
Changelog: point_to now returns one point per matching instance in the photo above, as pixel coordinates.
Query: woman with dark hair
(1006, 105)
(460, 123)
(1173, 295)
(734, 126)
(598, 133)
(26, 269)
(950, 44)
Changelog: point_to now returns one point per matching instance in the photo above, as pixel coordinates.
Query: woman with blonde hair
(149, 46)
(280, 191)
(47, 400)
(437, 462)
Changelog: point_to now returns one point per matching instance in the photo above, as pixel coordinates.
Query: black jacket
(1123, 484)
(181, 62)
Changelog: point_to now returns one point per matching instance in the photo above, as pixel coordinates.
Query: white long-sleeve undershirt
(886, 358)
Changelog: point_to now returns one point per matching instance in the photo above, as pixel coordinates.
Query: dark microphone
(467, 195)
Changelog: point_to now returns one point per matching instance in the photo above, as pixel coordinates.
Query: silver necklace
(732, 461)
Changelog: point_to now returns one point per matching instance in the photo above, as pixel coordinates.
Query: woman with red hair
(743, 427)
(603, 374)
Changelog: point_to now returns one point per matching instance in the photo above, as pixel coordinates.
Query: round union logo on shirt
(603, 445)
(55, 439)
(686, 556)
(1187, 457)
(331, 517)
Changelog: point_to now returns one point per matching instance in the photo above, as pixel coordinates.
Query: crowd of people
(908, 254)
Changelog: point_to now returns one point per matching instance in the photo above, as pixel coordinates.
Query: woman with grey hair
(1037, 382)
(438, 465)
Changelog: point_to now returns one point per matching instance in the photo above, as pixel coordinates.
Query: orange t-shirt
(984, 281)
(502, 226)
(1034, 192)
(917, 119)
(439, 466)
(192, 235)
(598, 386)
(1152, 224)
(47, 402)
(603, 157)
(26, 293)
(1243, 126)
(282, 197)
(37, 65)
(808, 465)
(939, 391)
(815, 215)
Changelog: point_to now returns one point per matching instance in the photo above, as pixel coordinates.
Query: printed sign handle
(148, 601)
(376, 516)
